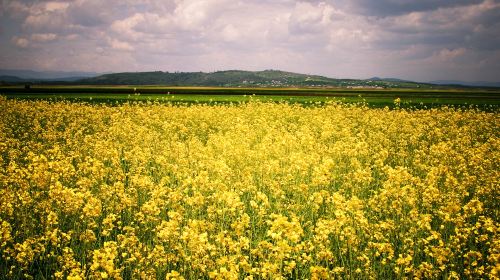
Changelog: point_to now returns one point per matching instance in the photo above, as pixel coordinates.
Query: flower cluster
(247, 191)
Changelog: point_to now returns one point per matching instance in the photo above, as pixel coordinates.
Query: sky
(420, 40)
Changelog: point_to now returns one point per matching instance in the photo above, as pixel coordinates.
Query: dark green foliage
(237, 78)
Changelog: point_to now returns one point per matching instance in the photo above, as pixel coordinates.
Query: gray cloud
(420, 40)
(91, 13)
(385, 8)
(475, 27)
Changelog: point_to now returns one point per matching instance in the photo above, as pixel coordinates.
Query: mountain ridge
(225, 78)
(464, 83)
(32, 75)
(241, 78)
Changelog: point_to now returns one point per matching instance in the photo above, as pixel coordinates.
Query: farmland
(247, 190)
(423, 98)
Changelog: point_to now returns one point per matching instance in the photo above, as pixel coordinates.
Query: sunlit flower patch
(247, 191)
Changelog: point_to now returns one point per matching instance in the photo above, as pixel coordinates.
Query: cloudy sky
(420, 40)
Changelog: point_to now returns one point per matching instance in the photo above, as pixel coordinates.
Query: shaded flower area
(247, 191)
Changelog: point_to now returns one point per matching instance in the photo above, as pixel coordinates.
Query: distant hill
(220, 78)
(238, 78)
(390, 80)
(12, 79)
(15, 79)
(230, 78)
(16, 75)
(462, 83)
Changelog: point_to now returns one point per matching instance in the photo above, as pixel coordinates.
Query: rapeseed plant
(247, 191)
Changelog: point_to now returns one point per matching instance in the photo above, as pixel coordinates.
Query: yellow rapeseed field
(247, 191)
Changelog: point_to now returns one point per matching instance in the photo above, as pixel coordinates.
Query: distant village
(309, 82)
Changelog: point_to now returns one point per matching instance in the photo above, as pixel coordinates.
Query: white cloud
(310, 18)
(152, 23)
(195, 15)
(230, 33)
(50, 18)
(43, 37)
(126, 27)
(71, 37)
(20, 42)
(120, 45)
(55, 6)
